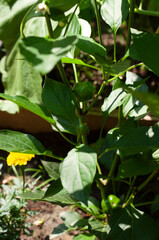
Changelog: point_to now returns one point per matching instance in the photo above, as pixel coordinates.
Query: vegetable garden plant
(41, 35)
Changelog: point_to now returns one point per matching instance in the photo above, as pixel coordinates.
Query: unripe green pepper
(110, 203)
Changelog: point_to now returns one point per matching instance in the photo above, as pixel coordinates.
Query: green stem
(111, 172)
(98, 22)
(96, 98)
(70, 20)
(131, 16)
(59, 64)
(114, 47)
(146, 203)
(110, 80)
(23, 177)
(122, 73)
(130, 200)
(75, 73)
(99, 29)
(147, 180)
(130, 189)
(50, 154)
(146, 12)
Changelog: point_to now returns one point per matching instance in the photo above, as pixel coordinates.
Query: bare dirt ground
(43, 223)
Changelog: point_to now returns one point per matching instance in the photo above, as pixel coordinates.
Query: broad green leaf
(146, 47)
(136, 166)
(12, 141)
(78, 178)
(89, 46)
(62, 5)
(58, 195)
(20, 78)
(59, 100)
(115, 12)
(78, 61)
(149, 99)
(70, 218)
(117, 68)
(11, 14)
(130, 223)
(138, 140)
(92, 207)
(33, 195)
(98, 228)
(45, 53)
(32, 107)
(113, 101)
(155, 205)
(108, 141)
(84, 236)
(58, 231)
(52, 168)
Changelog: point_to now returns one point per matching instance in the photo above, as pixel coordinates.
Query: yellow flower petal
(19, 158)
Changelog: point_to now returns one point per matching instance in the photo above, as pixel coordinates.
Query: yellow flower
(19, 158)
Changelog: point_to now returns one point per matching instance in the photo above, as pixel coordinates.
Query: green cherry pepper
(110, 203)
(114, 201)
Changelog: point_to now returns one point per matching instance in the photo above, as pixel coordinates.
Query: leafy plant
(122, 162)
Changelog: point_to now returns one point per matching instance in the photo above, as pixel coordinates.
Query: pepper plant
(122, 162)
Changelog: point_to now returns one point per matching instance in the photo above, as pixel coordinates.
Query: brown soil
(49, 216)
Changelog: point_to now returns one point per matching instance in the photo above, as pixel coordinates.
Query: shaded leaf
(12, 141)
(52, 168)
(59, 100)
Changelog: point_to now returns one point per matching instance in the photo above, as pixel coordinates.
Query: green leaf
(136, 166)
(82, 160)
(70, 218)
(84, 91)
(61, 4)
(98, 228)
(58, 231)
(130, 223)
(35, 195)
(58, 195)
(12, 141)
(149, 99)
(45, 58)
(108, 141)
(32, 107)
(59, 100)
(146, 46)
(88, 45)
(138, 140)
(84, 236)
(115, 12)
(78, 61)
(52, 168)
(11, 14)
(117, 68)
(113, 101)
(20, 78)
(155, 205)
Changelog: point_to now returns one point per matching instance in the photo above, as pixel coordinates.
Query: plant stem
(59, 64)
(146, 203)
(114, 47)
(70, 20)
(131, 16)
(146, 12)
(75, 73)
(111, 172)
(110, 80)
(147, 180)
(23, 177)
(99, 30)
(130, 188)
(131, 198)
